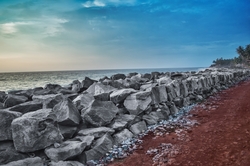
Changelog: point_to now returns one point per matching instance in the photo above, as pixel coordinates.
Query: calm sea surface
(27, 80)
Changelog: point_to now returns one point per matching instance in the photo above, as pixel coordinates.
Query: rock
(5, 123)
(8, 153)
(138, 128)
(42, 91)
(86, 139)
(117, 84)
(27, 107)
(129, 75)
(147, 76)
(138, 102)
(66, 150)
(155, 75)
(120, 95)
(121, 121)
(138, 78)
(179, 102)
(66, 91)
(96, 132)
(147, 86)
(66, 163)
(32, 161)
(164, 80)
(118, 76)
(67, 113)
(159, 94)
(13, 100)
(67, 131)
(183, 89)
(49, 101)
(2, 96)
(53, 87)
(99, 113)
(83, 100)
(99, 88)
(87, 82)
(102, 97)
(173, 109)
(171, 92)
(153, 118)
(35, 130)
(76, 86)
(102, 145)
(1, 106)
(122, 136)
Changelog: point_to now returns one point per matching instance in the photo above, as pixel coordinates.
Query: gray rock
(66, 163)
(67, 113)
(171, 92)
(2, 96)
(102, 97)
(99, 113)
(122, 121)
(183, 89)
(87, 82)
(99, 88)
(83, 100)
(32, 161)
(147, 86)
(27, 107)
(173, 109)
(179, 102)
(53, 87)
(153, 118)
(164, 80)
(35, 130)
(138, 128)
(8, 153)
(66, 150)
(13, 100)
(49, 101)
(129, 75)
(1, 106)
(159, 94)
(120, 95)
(96, 132)
(76, 86)
(5, 123)
(102, 145)
(42, 91)
(138, 102)
(118, 76)
(122, 136)
(86, 139)
(67, 131)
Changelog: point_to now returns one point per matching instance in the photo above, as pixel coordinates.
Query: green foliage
(242, 59)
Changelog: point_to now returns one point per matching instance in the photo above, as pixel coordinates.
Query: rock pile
(81, 123)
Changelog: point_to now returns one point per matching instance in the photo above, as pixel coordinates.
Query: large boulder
(99, 113)
(35, 130)
(159, 94)
(27, 107)
(98, 88)
(86, 139)
(102, 145)
(96, 132)
(83, 100)
(2, 96)
(138, 102)
(13, 100)
(147, 86)
(49, 101)
(122, 121)
(8, 153)
(118, 76)
(67, 113)
(53, 87)
(87, 82)
(66, 163)
(122, 136)
(32, 161)
(66, 150)
(67, 131)
(6, 118)
(138, 128)
(120, 95)
(153, 117)
(164, 80)
(76, 86)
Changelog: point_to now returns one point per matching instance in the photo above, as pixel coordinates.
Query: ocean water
(27, 80)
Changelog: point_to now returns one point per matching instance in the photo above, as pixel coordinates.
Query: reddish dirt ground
(221, 137)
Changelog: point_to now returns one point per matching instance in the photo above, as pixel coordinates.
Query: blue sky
(44, 35)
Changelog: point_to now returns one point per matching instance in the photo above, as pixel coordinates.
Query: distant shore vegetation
(243, 60)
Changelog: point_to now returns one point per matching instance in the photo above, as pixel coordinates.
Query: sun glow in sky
(45, 35)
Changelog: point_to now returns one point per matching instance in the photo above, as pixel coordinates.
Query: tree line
(242, 60)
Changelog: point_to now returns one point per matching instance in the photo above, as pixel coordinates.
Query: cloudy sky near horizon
(45, 35)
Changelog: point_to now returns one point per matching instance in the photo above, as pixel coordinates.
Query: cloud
(53, 26)
(103, 3)
(12, 27)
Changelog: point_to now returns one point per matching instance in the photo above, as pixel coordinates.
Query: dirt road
(220, 138)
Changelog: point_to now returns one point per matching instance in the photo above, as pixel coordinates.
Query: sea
(28, 80)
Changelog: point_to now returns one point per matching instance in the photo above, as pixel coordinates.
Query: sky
(46, 35)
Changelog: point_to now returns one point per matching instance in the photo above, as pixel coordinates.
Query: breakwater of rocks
(81, 123)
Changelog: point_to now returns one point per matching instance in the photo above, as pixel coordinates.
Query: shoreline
(89, 118)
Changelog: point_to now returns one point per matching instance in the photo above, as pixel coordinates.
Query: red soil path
(221, 137)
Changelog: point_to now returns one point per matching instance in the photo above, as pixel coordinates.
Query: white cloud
(53, 26)
(12, 27)
(103, 3)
